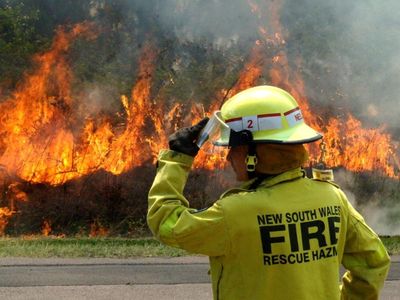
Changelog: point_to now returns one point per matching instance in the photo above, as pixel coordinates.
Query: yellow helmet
(269, 113)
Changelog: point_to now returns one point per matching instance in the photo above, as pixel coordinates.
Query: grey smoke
(212, 21)
(356, 46)
(378, 208)
(364, 60)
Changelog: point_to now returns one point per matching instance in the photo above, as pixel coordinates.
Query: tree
(18, 41)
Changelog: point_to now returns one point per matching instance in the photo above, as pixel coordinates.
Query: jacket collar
(274, 180)
(268, 182)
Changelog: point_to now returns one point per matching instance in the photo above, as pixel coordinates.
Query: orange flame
(97, 230)
(46, 228)
(348, 144)
(37, 141)
(5, 214)
(40, 146)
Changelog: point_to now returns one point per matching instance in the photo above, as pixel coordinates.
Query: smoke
(349, 49)
(349, 60)
(374, 29)
(350, 55)
(97, 99)
(380, 209)
(218, 21)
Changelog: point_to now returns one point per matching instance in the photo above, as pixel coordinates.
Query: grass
(42, 247)
(392, 244)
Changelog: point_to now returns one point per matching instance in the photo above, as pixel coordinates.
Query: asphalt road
(149, 278)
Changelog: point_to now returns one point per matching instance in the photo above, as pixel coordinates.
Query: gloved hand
(184, 140)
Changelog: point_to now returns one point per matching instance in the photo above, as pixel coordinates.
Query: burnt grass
(118, 203)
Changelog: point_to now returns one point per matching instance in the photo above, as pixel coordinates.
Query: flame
(46, 228)
(39, 143)
(348, 144)
(97, 230)
(251, 71)
(127, 151)
(210, 157)
(357, 148)
(5, 214)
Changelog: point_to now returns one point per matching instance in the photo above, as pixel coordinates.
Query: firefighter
(280, 235)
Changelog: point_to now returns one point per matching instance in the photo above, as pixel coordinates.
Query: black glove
(184, 140)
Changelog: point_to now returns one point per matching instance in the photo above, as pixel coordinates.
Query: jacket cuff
(171, 155)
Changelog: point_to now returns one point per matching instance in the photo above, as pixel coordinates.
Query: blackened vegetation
(116, 202)
(119, 202)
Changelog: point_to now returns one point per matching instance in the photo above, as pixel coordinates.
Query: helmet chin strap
(241, 138)
(251, 160)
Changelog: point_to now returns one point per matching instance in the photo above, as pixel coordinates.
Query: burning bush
(69, 167)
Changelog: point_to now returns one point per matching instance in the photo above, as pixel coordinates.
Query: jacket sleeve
(365, 258)
(171, 219)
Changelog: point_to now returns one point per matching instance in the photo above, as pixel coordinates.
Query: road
(145, 278)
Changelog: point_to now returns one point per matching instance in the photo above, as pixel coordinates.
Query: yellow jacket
(284, 240)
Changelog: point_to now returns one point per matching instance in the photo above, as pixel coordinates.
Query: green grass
(392, 244)
(41, 247)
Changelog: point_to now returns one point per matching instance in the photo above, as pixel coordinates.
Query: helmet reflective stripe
(269, 121)
(294, 117)
(266, 121)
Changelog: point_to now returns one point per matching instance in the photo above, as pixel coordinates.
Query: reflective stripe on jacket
(284, 240)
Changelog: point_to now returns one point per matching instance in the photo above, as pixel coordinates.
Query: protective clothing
(283, 240)
(271, 114)
(184, 140)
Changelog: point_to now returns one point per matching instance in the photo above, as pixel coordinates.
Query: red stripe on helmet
(292, 110)
(269, 115)
(233, 120)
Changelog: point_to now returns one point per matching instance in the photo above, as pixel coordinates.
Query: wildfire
(348, 144)
(36, 140)
(39, 145)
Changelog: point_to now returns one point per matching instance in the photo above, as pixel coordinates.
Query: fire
(15, 194)
(357, 148)
(39, 144)
(5, 214)
(97, 230)
(46, 228)
(126, 151)
(210, 157)
(348, 144)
